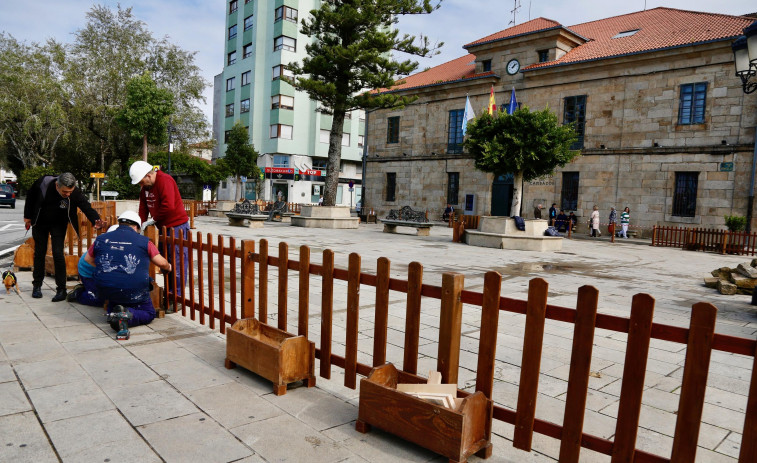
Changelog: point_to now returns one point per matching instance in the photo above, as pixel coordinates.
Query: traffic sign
(97, 175)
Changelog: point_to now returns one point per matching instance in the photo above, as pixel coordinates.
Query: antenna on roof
(516, 7)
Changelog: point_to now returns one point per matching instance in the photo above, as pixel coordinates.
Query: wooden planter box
(275, 355)
(455, 434)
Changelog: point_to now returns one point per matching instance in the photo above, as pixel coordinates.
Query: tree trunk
(144, 148)
(515, 206)
(335, 158)
(238, 186)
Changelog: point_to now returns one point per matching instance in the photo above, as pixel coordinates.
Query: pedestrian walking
(612, 221)
(625, 219)
(594, 221)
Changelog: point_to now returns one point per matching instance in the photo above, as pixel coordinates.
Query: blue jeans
(175, 259)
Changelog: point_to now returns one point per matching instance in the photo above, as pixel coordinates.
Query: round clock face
(513, 66)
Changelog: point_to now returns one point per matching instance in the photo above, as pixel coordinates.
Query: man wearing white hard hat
(86, 291)
(160, 198)
(122, 262)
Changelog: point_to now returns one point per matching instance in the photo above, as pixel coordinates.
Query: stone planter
(325, 217)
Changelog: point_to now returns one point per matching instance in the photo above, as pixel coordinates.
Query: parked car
(7, 195)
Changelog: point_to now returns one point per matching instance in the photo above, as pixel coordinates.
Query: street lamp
(170, 145)
(745, 57)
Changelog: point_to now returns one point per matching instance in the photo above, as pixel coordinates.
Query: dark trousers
(57, 235)
(180, 278)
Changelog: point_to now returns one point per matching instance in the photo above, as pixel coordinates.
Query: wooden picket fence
(705, 239)
(220, 270)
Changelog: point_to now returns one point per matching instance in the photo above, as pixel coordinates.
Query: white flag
(468, 114)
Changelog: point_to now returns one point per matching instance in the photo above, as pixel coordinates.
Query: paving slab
(12, 399)
(69, 400)
(233, 404)
(194, 437)
(22, 440)
(52, 372)
(73, 436)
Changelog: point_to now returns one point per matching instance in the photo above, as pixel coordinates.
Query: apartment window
(486, 65)
(455, 132)
(246, 78)
(232, 31)
(283, 42)
(391, 186)
(232, 6)
(281, 131)
(569, 193)
(230, 84)
(280, 160)
(575, 111)
(280, 70)
(226, 137)
(244, 106)
(284, 12)
(248, 22)
(247, 1)
(247, 50)
(323, 136)
(282, 102)
(453, 187)
(230, 110)
(360, 141)
(231, 58)
(543, 55)
(691, 105)
(393, 129)
(345, 139)
(320, 164)
(685, 194)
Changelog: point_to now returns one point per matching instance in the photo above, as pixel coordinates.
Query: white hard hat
(111, 228)
(138, 170)
(130, 216)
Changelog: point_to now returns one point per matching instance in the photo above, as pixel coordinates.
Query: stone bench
(246, 214)
(422, 228)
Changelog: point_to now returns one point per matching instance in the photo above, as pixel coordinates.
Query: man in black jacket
(50, 206)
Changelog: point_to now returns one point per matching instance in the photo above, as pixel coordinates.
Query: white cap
(138, 170)
(131, 216)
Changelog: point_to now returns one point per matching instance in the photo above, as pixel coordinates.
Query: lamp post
(745, 57)
(170, 145)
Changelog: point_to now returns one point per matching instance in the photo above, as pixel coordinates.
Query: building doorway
(502, 195)
(280, 189)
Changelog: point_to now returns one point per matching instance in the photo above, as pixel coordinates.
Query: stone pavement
(70, 392)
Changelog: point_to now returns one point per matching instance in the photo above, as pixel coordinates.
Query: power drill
(119, 320)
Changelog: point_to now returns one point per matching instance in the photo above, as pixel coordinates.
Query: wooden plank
(578, 378)
(211, 293)
(327, 311)
(353, 317)
(748, 452)
(263, 281)
(634, 370)
(182, 275)
(282, 286)
(233, 279)
(248, 279)
(413, 317)
(381, 317)
(172, 277)
(487, 344)
(303, 315)
(450, 326)
(696, 367)
(191, 275)
(531, 363)
(221, 286)
(200, 278)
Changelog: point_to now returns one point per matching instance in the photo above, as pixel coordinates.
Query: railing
(291, 207)
(218, 296)
(705, 239)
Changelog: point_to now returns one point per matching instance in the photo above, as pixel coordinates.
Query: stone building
(664, 126)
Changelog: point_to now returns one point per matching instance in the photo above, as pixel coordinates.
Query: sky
(199, 25)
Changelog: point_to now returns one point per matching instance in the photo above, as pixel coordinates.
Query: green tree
(145, 113)
(33, 104)
(527, 144)
(32, 174)
(240, 159)
(350, 56)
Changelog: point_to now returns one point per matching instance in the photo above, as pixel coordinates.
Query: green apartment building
(285, 126)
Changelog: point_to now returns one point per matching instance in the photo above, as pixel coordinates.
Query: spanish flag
(492, 104)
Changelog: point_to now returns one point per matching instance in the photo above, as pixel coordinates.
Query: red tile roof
(658, 28)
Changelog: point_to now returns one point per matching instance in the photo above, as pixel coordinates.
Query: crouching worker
(122, 261)
(86, 291)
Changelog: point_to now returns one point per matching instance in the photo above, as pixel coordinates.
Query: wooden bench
(246, 214)
(407, 217)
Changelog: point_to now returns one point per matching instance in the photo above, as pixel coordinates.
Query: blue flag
(513, 103)
(468, 114)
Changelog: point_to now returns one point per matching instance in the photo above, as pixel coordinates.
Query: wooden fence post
(654, 234)
(450, 325)
(696, 367)
(200, 280)
(327, 311)
(487, 343)
(529, 371)
(192, 213)
(191, 275)
(211, 287)
(381, 321)
(283, 285)
(303, 314)
(233, 280)
(221, 286)
(578, 378)
(748, 451)
(263, 282)
(248, 279)
(412, 317)
(353, 308)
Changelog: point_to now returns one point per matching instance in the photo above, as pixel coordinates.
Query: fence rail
(705, 239)
(207, 302)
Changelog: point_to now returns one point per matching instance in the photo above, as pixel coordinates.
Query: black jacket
(45, 187)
